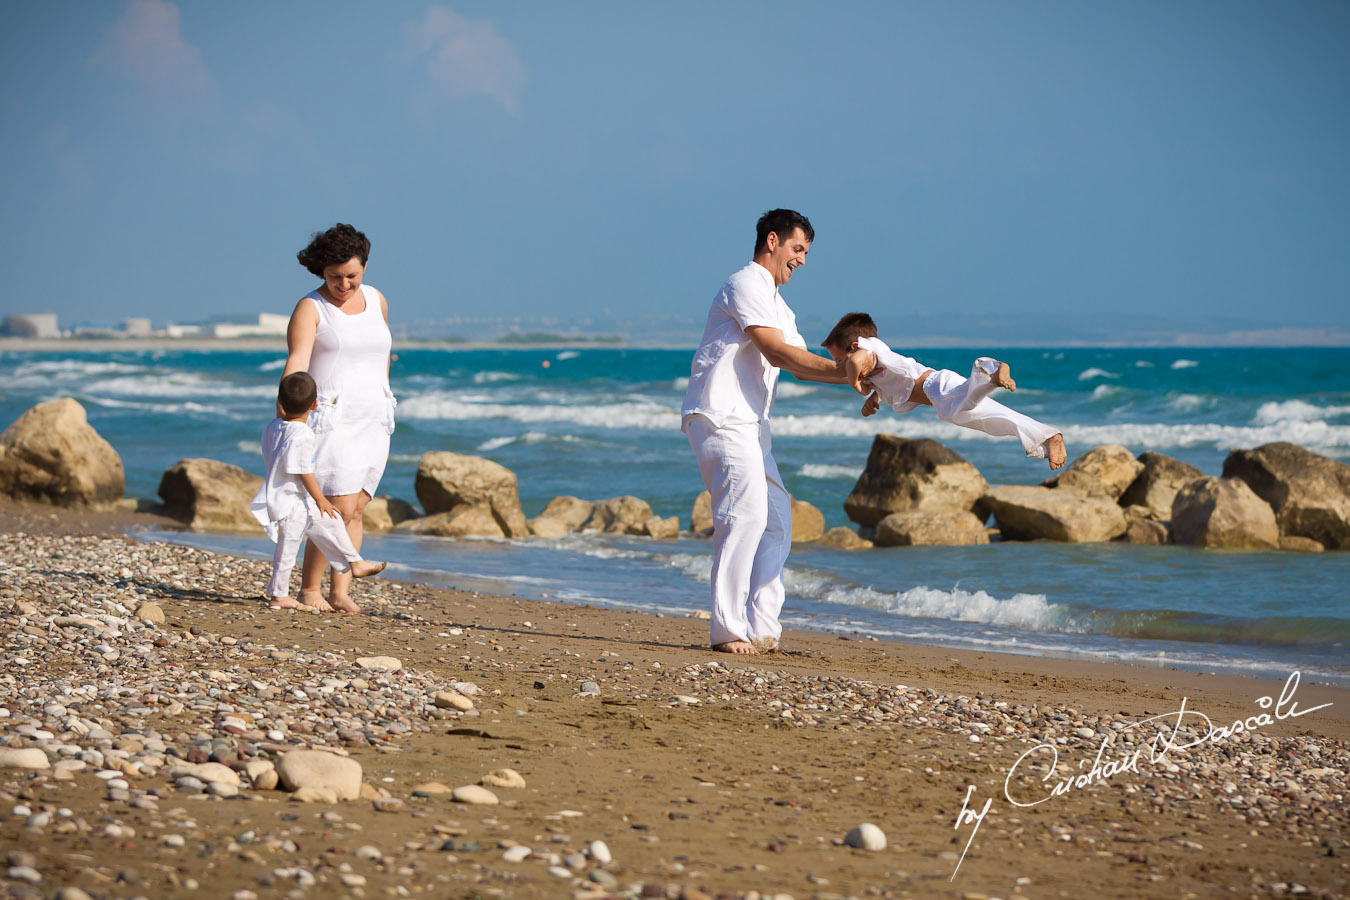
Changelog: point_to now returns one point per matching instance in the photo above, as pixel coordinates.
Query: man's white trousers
(965, 402)
(752, 527)
(328, 533)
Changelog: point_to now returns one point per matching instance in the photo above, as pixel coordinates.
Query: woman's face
(343, 280)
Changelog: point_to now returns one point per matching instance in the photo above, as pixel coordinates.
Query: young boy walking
(884, 376)
(289, 504)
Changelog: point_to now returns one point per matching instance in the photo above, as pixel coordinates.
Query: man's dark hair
(296, 393)
(333, 248)
(849, 329)
(781, 222)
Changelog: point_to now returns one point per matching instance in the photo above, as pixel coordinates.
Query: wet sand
(702, 773)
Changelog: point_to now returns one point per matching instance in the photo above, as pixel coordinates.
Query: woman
(339, 333)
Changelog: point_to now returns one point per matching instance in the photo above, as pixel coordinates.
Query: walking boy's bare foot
(1003, 377)
(314, 600)
(281, 603)
(344, 603)
(1054, 449)
(364, 568)
(735, 647)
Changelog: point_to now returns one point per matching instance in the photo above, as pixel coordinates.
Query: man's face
(784, 256)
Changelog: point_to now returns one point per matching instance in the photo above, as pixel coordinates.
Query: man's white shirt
(730, 381)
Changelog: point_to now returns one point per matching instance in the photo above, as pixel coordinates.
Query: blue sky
(971, 168)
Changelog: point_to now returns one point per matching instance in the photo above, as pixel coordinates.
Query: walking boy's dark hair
(781, 222)
(849, 329)
(296, 394)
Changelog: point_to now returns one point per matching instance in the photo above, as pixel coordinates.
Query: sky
(1058, 171)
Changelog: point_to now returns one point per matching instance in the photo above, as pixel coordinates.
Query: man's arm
(858, 365)
(801, 362)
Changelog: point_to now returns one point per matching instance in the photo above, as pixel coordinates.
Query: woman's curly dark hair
(333, 248)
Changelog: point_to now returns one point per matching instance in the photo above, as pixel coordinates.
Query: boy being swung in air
(289, 504)
(882, 375)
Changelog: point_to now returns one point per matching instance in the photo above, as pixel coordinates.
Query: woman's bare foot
(1054, 449)
(344, 603)
(364, 568)
(314, 600)
(735, 647)
(281, 603)
(1003, 377)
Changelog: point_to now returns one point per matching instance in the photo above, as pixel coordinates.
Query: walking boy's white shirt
(285, 509)
(725, 416)
(961, 401)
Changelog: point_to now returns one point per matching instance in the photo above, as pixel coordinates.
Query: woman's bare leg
(311, 579)
(352, 506)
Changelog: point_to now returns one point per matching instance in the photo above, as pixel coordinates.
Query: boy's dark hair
(781, 222)
(333, 248)
(849, 329)
(296, 393)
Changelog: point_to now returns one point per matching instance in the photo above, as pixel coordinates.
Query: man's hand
(871, 405)
(858, 365)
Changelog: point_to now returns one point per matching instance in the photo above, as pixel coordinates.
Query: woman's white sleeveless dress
(355, 415)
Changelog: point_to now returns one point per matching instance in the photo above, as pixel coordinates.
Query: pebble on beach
(475, 795)
(866, 837)
(502, 778)
(319, 769)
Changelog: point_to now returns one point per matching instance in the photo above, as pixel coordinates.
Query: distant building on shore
(34, 325)
(268, 325)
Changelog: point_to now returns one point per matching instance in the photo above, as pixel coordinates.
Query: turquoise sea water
(601, 422)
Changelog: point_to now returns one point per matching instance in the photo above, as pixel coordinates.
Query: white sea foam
(1143, 364)
(681, 384)
(176, 384)
(1320, 437)
(1029, 611)
(171, 409)
(1189, 403)
(494, 377)
(272, 366)
(529, 437)
(1094, 372)
(72, 367)
(829, 470)
(1275, 412)
(253, 448)
(1184, 364)
(1102, 391)
(567, 354)
(695, 566)
(642, 414)
(795, 389)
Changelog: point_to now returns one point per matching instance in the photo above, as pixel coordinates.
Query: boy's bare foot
(344, 603)
(1003, 377)
(314, 600)
(281, 603)
(1054, 449)
(735, 647)
(364, 568)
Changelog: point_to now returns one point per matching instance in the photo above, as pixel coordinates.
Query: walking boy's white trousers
(328, 533)
(965, 402)
(752, 527)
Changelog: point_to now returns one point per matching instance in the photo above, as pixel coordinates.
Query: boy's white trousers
(965, 402)
(328, 533)
(752, 527)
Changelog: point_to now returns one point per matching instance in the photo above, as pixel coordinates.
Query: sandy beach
(701, 774)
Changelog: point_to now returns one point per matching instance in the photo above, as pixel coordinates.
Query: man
(750, 335)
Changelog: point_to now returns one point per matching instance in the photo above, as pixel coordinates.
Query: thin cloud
(146, 45)
(468, 57)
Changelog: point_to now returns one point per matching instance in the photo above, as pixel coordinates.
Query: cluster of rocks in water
(911, 492)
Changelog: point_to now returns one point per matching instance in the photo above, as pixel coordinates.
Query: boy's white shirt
(288, 452)
(896, 376)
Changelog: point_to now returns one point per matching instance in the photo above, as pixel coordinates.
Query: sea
(601, 422)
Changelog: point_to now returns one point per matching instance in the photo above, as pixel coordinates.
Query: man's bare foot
(364, 568)
(314, 600)
(735, 647)
(344, 603)
(1054, 449)
(765, 645)
(281, 603)
(1003, 377)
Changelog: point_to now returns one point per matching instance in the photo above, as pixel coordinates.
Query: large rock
(1310, 493)
(934, 527)
(463, 521)
(1103, 472)
(1026, 513)
(700, 518)
(447, 482)
(843, 538)
(210, 495)
(383, 512)
(562, 515)
(1223, 513)
(1156, 485)
(663, 529)
(51, 453)
(808, 523)
(904, 475)
(319, 769)
(618, 515)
